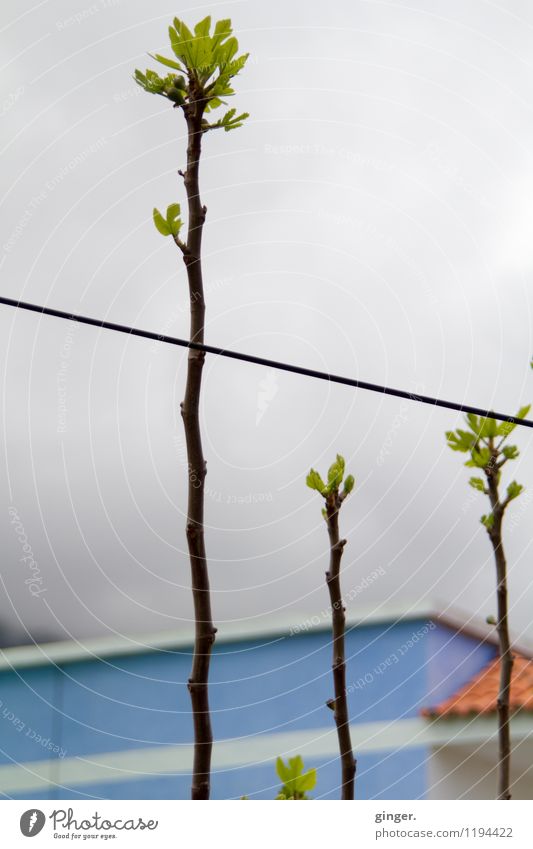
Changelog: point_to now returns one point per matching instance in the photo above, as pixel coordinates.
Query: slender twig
(490, 459)
(339, 705)
(502, 626)
(334, 497)
(197, 468)
(204, 59)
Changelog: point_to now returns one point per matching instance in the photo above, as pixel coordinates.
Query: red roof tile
(480, 694)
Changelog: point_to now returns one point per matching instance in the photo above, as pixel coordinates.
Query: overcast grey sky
(373, 218)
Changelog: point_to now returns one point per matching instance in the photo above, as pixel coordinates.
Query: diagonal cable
(262, 361)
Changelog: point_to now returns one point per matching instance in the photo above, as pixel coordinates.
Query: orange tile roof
(480, 694)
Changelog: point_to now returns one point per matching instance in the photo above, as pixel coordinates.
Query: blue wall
(257, 687)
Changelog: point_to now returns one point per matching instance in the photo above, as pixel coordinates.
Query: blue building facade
(113, 721)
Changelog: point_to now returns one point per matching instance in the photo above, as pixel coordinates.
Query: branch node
(181, 245)
(191, 530)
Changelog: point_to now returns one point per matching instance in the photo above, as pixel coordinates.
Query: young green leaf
(307, 781)
(314, 481)
(296, 766)
(222, 31)
(487, 428)
(513, 490)
(349, 484)
(282, 771)
(336, 473)
(160, 223)
(170, 63)
(460, 440)
(150, 81)
(480, 458)
(229, 121)
(505, 428)
(173, 219)
(171, 87)
(202, 28)
(510, 452)
(473, 422)
(477, 483)
(488, 521)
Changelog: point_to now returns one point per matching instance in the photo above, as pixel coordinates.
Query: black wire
(261, 361)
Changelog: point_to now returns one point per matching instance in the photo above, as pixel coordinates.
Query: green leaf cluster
(481, 429)
(230, 121)
(483, 437)
(203, 69)
(202, 54)
(295, 782)
(335, 478)
(483, 442)
(172, 87)
(172, 224)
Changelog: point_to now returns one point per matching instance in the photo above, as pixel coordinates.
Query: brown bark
(339, 705)
(204, 629)
(506, 656)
